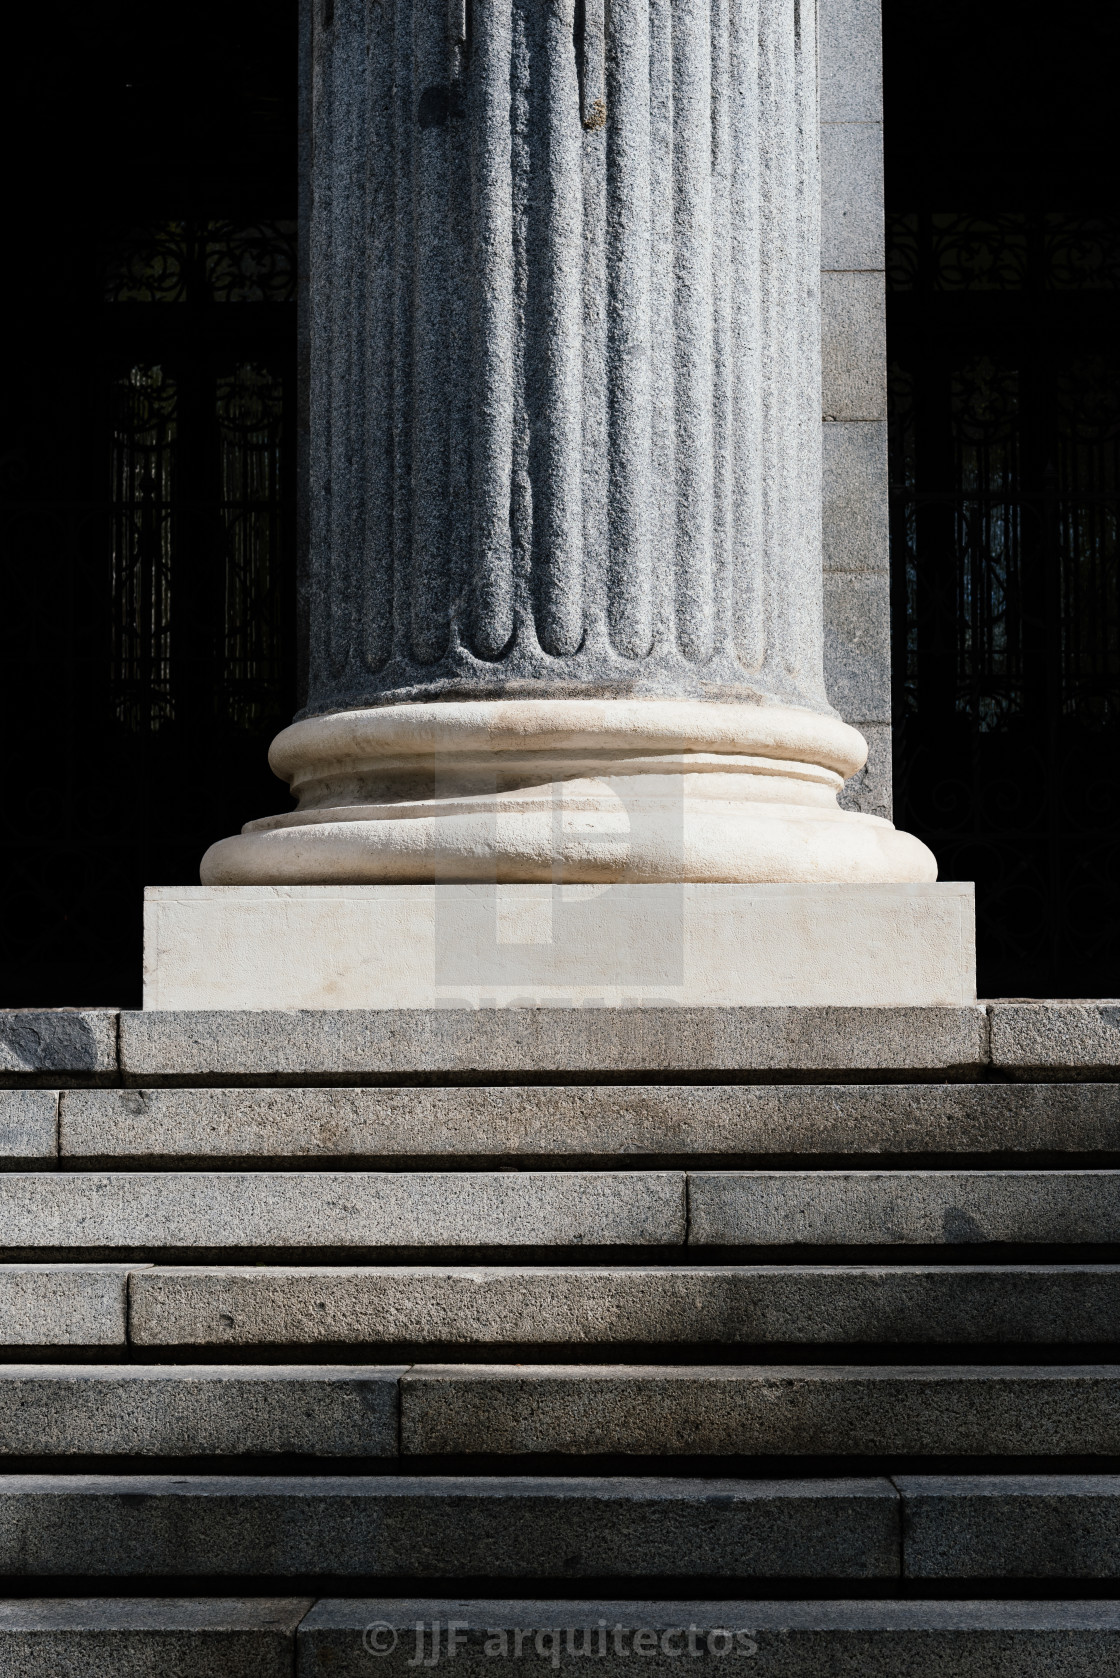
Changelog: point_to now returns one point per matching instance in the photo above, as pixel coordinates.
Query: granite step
(103, 1211)
(516, 1411)
(213, 1638)
(822, 1639)
(143, 1212)
(128, 1410)
(100, 1047)
(206, 1637)
(155, 1526)
(922, 1527)
(161, 1127)
(143, 1637)
(760, 1410)
(230, 1308)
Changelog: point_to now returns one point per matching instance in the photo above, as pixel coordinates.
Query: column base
(568, 790)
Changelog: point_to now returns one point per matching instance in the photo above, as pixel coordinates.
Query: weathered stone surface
(42, 1046)
(63, 1305)
(852, 234)
(764, 1304)
(1056, 1039)
(151, 1525)
(830, 1639)
(135, 1410)
(28, 1129)
(966, 1410)
(138, 1637)
(856, 1208)
(853, 346)
(266, 1127)
(1022, 1526)
(230, 1210)
(364, 1046)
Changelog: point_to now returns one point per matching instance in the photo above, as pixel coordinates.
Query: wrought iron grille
(1005, 495)
(165, 568)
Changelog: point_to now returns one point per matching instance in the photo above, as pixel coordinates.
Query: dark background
(1004, 344)
(139, 138)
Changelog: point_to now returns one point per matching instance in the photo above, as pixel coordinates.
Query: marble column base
(262, 947)
(574, 790)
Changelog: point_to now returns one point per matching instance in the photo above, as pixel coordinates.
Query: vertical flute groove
(559, 590)
(374, 631)
(628, 345)
(692, 339)
(748, 582)
(491, 611)
(431, 325)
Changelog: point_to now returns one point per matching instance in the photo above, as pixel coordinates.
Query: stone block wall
(854, 393)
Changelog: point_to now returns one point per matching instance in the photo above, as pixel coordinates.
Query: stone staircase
(338, 1343)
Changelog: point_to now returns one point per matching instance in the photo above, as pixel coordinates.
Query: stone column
(565, 493)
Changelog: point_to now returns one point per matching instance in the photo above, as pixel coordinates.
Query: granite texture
(47, 1046)
(143, 1526)
(220, 1210)
(967, 1410)
(882, 1208)
(63, 1305)
(28, 1129)
(851, 59)
(853, 346)
(138, 1411)
(872, 789)
(855, 498)
(858, 645)
(541, 477)
(823, 1639)
(266, 1127)
(852, 232)
(364, 1046)
(152, 1637)
(731, 1305)
(1063, 1039)
(1028, 1526)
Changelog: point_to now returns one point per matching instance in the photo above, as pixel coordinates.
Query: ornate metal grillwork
(1005, 468)
(144, 434)
(215, 261)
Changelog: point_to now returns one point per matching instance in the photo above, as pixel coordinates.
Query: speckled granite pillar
(565, 460)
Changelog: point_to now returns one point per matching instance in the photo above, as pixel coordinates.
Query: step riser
(214, 1639)
(407, 1210)
(729, 1306)
(339, 1412)
(156, 1527)
(192, 1125)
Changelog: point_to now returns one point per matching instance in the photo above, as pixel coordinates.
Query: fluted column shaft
(565, 407)
(566, 588)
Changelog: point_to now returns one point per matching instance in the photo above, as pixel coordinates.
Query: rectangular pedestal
(541, 945)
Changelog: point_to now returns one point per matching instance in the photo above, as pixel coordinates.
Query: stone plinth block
(346, 947)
